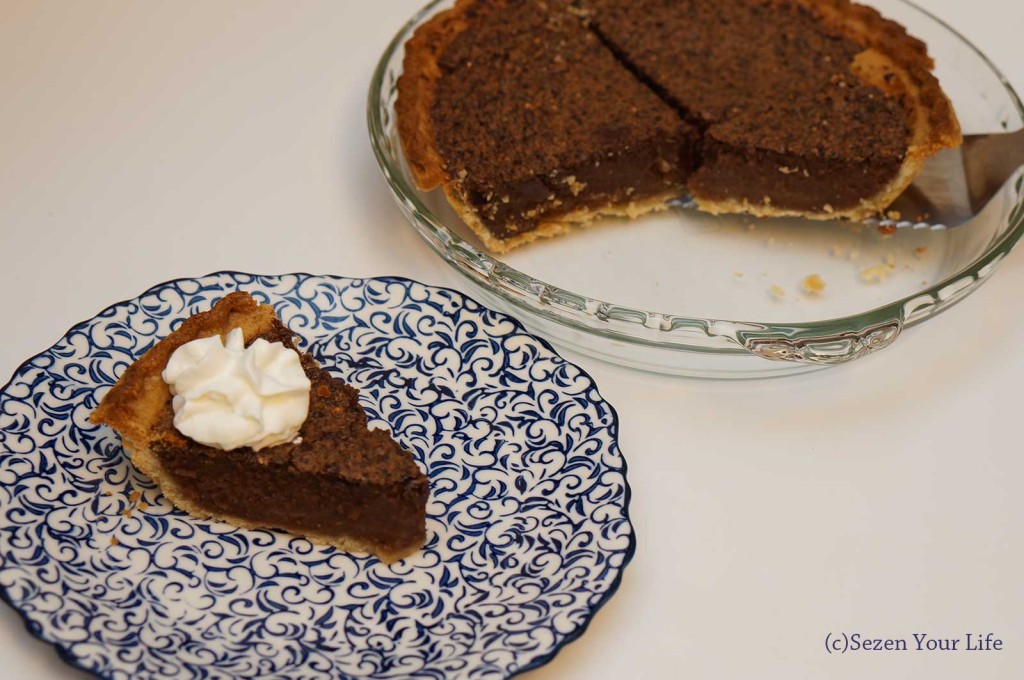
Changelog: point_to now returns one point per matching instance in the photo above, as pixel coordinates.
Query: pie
(338, 483)
(535, 115)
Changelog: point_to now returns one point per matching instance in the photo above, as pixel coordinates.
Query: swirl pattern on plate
(527, 522)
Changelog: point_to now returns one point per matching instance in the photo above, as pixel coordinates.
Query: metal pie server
(957, 184)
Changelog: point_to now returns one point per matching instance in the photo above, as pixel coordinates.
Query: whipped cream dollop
(229, 395)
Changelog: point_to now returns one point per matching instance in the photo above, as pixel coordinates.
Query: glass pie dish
(684, 293)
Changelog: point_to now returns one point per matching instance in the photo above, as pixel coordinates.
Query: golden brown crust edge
(416, 91)
(549, 228)
(887, 42)
(134, 404)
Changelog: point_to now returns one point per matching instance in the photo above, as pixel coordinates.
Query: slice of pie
(338, 483)
(814, 108)
(531, 124)
(534, 115)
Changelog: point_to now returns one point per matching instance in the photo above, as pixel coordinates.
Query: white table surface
(144, 141)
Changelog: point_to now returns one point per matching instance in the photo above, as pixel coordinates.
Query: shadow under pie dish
(338, 483)
(534, 115)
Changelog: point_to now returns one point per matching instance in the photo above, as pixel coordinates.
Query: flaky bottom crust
(561, 225)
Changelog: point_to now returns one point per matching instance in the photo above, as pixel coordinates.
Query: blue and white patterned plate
(528, 527)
